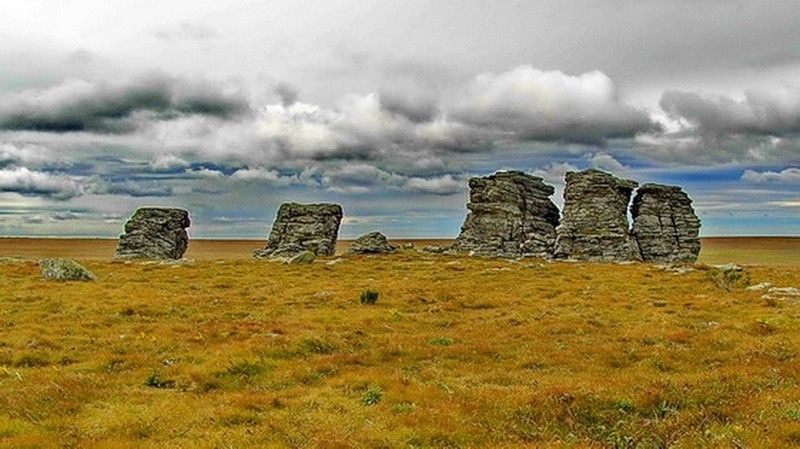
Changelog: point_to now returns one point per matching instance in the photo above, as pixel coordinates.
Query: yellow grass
(457, 352)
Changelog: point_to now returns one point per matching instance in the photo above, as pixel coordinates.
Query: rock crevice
(595, 221)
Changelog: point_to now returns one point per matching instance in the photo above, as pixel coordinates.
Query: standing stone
(665, 225)
(155, 233)
(510, 215)
(595, 222)
(300, 227)
(372, 243)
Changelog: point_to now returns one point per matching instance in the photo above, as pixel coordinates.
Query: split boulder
(595, 222)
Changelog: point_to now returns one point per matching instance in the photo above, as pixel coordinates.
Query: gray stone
(302, 257)
(510, 215)
(595, 221)
(64, 270)
(759, 287)
(433, 249)
(155, 233)
(664, 224)
(372, 243)
(301, 227)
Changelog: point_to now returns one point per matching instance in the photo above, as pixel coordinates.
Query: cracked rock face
(301, 227)
(595, 221)
(665, 225)
(154, 233)
(372, 243)
(510, 215)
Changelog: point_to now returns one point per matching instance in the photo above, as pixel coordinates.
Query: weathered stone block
(665, 225)
(510, 215)
(300, 227)
(595, 221)
(155, 233)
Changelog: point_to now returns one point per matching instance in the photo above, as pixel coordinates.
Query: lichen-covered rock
(155, 233)
(665, 225)
(595, 221)
(64, 270)
(303, 257)
(510, 215)
(300, 227)
(372, 243)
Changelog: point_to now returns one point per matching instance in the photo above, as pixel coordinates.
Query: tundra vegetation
(458, 352)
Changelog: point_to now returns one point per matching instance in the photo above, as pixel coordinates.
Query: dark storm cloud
(773, 112)
(105, 107)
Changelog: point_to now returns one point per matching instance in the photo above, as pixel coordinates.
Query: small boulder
(64, 270)
(372, 243)
(302, 257)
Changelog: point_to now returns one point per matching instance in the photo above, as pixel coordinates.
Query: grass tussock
(494, 354)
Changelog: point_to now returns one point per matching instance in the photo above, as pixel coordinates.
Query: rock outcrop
(372, 243)
(510, 215)
(595, 221)
(665, 225)
(64, 270)
(155, 233)
(300, 227)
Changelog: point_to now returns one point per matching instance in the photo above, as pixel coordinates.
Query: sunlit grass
(456, 352)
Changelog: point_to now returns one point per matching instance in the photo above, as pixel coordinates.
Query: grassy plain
(456, 352)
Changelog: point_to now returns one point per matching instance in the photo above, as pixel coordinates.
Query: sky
(230, 108)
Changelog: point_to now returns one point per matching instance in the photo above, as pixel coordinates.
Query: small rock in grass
(64, 270)
(303, 257)
(759, 287)
(784, 291)
(727, 267)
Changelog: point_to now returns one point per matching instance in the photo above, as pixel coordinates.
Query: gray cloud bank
(115, 107)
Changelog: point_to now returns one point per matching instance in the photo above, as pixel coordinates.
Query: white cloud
(604, 161)
(548, 105)
(27, 182)
(787, 176)
(168, 162)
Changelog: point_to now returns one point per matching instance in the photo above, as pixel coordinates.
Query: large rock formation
(300, 227)
(510, 215)
(155, 233)
(595, 221)
(372, 243)
(665, 225)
